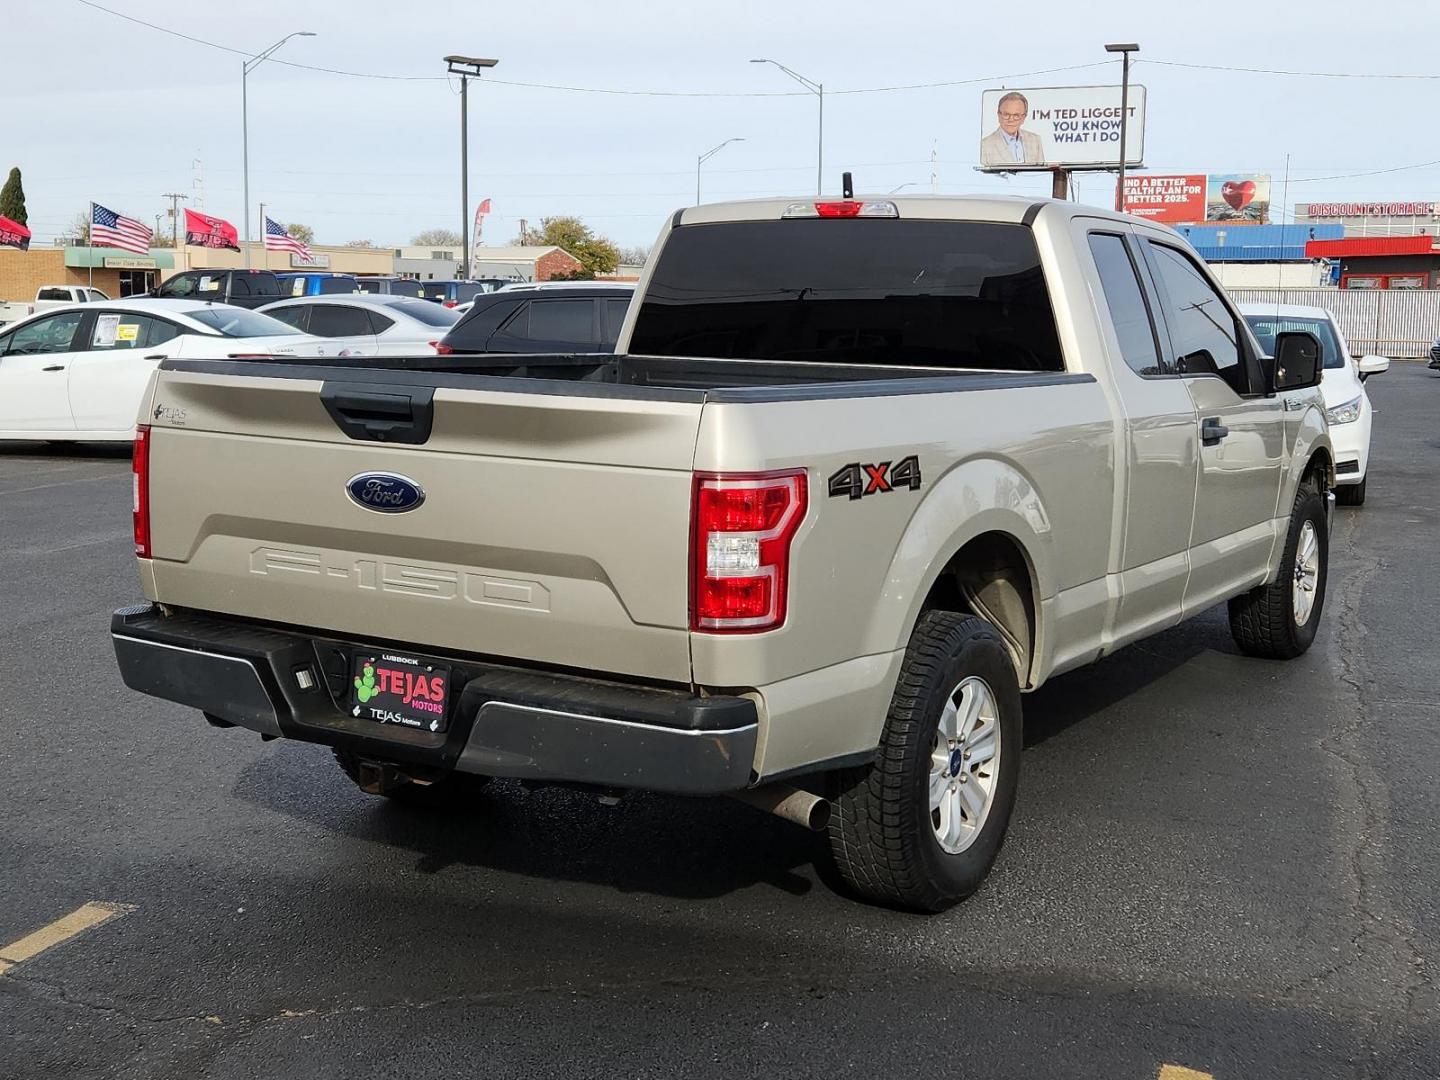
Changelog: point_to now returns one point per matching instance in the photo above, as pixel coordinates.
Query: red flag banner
(202, 230)
(13, 234)
(480, 212)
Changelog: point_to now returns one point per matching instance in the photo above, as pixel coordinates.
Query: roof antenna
(847, 186)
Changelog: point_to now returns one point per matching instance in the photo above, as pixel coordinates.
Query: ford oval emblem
(385, 493)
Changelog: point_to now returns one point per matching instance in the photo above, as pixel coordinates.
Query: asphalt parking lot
(1217, 864)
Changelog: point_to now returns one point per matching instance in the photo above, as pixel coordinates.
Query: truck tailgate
(554, 526)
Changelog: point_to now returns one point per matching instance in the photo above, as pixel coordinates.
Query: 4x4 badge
(856, 480)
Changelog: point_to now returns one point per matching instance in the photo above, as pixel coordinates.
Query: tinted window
(95, 295)
(866, 291)
(188, 285)
(161, 331)
(238, 322)
(119, 331)
(1202, 330)
(379, 323)
(1267, 326)
(615, 318)
(294, 315)
(331, 285)
(370, 286)
(53, 294)
(332, 320)
(405, 288)
(52, 335)
(561, 320)
(429, 314)
(1126, 301)
(239, 286)
(264, 284)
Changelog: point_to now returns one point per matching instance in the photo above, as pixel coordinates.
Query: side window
(53, 335)
(379, 323)
(332, 320)
(1203, 331)
(293, 315)
(615, 318)
(120, 331)
(562, 320)
(329, 286)
(161, 331)
(266, 284)
(239, 285)
(1126, 301)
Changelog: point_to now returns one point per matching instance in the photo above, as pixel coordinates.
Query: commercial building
(527, 263)
(1382, 262)
(1389, 218)
(1264, 256)
(114, 272)
(340, 260)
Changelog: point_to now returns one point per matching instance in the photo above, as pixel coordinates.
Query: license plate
(391, 688)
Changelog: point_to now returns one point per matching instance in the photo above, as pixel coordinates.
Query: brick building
(116, 273)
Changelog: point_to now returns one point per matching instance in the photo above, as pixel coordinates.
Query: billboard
(1194, 198)
(1059, 127)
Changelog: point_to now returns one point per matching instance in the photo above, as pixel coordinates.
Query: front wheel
(1278, 621)
(920, 827)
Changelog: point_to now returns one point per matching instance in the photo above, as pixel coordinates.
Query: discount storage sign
(1059, 126)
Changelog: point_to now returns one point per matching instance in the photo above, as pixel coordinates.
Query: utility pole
(467, 67)
(174, 197)
(524, 233)
(1124, 49)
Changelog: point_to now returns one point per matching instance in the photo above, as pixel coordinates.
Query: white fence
(1390, 322)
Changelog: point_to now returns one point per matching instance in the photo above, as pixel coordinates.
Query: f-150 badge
(856, 480)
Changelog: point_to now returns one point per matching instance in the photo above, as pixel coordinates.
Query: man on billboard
(1009, 144)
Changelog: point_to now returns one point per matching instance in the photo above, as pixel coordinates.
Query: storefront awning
(107, 258)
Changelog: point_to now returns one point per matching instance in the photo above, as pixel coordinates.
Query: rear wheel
(1278, 621)
(1351, 494)
(379, 778)
(921, 826)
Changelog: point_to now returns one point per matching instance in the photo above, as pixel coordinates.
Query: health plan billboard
(1052, 127)
(1195, 198)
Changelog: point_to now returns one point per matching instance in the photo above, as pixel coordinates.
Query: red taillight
(843, 208)
(742, 526)
(441, 349)
(847, 208)
(140, 490)
(450, 303)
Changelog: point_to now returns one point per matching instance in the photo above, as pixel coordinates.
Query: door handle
(54, 367)
(1212, 431)
(156, 356)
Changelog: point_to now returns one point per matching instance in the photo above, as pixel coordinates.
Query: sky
(97, 107)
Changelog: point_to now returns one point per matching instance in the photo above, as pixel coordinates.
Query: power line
(1372, 172)
(1282, 71)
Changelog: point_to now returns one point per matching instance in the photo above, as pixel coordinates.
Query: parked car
(79, 373)
(1434, 354)
(1347, 406)
(240, 288)
(860, 473)
(49, 296)
(450, 293)
(389, 286)
(369, 325)
(577, 318)
(318, 284)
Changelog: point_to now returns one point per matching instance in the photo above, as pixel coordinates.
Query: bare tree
(438, 238)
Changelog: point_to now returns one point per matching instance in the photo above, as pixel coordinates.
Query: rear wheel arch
(992, 575)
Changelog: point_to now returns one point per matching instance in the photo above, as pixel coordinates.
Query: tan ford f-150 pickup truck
(860, 473)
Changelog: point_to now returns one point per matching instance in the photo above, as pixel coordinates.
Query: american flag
(109, 229)
(277, 239)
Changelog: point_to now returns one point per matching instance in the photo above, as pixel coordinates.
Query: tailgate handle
(381, 412)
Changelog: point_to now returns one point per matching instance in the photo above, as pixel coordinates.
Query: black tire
(883, 837)
(1263, 620)
(1351, 494)
(443, 791)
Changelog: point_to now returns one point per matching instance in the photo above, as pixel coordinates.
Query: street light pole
(818, 89)
(706, 156)
(247, 66)
(1124, 49)
(467, 67)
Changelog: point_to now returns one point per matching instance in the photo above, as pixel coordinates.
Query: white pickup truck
(49, 296)
(861, 472)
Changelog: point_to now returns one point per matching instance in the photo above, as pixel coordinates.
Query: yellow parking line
(1179, 1072)
(83, 918)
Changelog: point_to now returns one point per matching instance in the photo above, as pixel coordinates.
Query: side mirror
(1297, 361)
(1372, 365)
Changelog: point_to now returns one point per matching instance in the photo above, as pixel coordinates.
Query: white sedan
(369, 324)
(79, 373)
(1346, 404)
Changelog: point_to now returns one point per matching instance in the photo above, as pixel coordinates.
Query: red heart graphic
(1238, 195)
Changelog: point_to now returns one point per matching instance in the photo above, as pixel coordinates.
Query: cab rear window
(951, 294)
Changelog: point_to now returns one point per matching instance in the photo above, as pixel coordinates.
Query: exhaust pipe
(801, 807)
